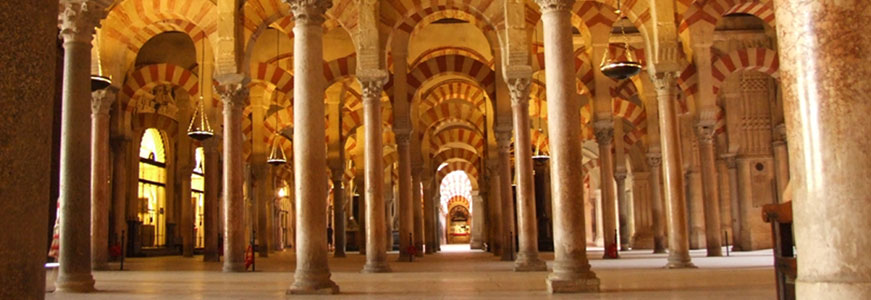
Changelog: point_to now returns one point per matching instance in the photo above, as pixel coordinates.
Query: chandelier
(199, 128)
(276, 154)
(620, 69)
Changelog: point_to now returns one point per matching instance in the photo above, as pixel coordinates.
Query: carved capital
(233, 90)
(604, 131)
(779, 134)
(731, 160)
(503, 139)
(654, 159)
(665, 82)
(555, 5)
(403, 138)
(372, 85)
(102, 100)
(706, 133)
(620, 175)
(309, 12)
(518, 87)
(79, 19)
(338, 175)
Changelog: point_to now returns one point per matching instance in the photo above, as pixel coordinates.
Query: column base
(680, 265)
(418, 250)
(234, 267)
(476, 245)
(404, 257)
(659, 250)
(339, 254)
(526, 263)
(321, 288)
(715, 252)
(588, 284)
(75, 283)
(833, 289)
(376, 267)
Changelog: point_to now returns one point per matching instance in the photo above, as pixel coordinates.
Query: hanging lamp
(538, 155)
(620, 69)
(99, 81)
(200, 129)
(276, 155)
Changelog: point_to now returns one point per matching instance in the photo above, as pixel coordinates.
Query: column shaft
(339, 213)
(710, 185)
(120, 148)
(233, 95)
(824, 62)
(604, 130)
(210, 202)
(495, 206)
(622, 210)
(406, 214)
(781, 160)
(100, 103)
(507, 195)
(376, 226)
(732, 166)
(417, 211)
(309, 156)
(571, 270)
(675, 203)
(429, 214)
(654, 160)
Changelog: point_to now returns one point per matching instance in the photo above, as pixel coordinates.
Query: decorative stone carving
(160, 101)
(619, 176)
(654, 159)
(604, 131)
(518, 87)
(706, 133)
(503, 139)
(664, 82)
(555, 5)
(233, 90)
(102, 100)
(309, 12)
(372, 86)
(79, 19)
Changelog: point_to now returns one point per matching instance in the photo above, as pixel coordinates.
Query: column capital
(731, 159)
(664, 82)
(309, 12)
(706, 133)
(102, 100)
(604, 131)
(402, 138)
(555, 5)
(233, 89)
(779, 134)
(79, 19)
(338, 174)
(372, 83)
(620, 175)
(503, 139)
(518, 78)
(654, 159)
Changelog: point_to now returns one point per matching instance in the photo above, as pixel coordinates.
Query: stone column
(234, 93)
(101, 101)
(210, 202)
(735, 207)
(654, 161)
(494, 205)
(503, 138)
(417, 210)
(263, 194)
(120, 155)
(725, 204)
(309, 158)
(338, 212)
(477, 236)
(28, 30)
(622, 210)
(781, 160)
(824, 71)
(519, 79)
(78, 21)
(571, 270)
(675, 203)
(406, 214)
(429, 213)
(710, 185)
(604, 130)
(376, 239)
(183, 169)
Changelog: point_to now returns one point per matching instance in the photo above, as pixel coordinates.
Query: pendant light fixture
(99, 81)
(538, 155)
(276, 155)
(620, 69)
(200, 129)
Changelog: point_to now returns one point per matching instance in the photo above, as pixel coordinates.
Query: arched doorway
(152, 188)
(456, 208)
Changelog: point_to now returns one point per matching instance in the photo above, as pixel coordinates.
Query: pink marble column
(825, 70)
(376, 226)
(604, 130)
(406, 214)
(675, 203)
(234, 94)
(710, 185)
(654, 161)
(28, 30)
(781, 160)
(571, 270)
(101, 102)
(503, 138)
(417, 210)
(77, 22)
(120, 182)
(519, 80)
(312, 274)
(212, 171)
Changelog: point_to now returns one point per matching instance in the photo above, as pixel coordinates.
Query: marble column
(675, 203)
(28, 30)
(654, 161)
(234, 93)
(338, 212)
(604, 130)
(120, 155)
(735, 207)
(263, 195)
(710, 185)
(519, 80)
(824, 62)
(184, 168)
(309, 154)
(503, 138)
(494, 205)
(622, 210)
(406, 214)
(781, 160)
(571, 270)
(101, 102)
(429, 213)
(417, 210)
(210, 202)
(77, 23)
(725, 204)
(476, 240)
(376, 235)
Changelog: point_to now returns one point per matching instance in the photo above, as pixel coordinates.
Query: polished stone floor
(455, 273)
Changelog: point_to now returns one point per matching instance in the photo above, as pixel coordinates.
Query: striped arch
(455, 153)
(590, 165)
(710, 12)
(688, 82)
(458, 135)
(352, 119)
(755, 59)
(166, 124)
(469, 168)
(477, 71)
(454, 89)
(134, 22)
(629, 111)
(149, 76)
(278, 121)
(442, 51)
(259, 14)
(340, 68)
(414, 12)
(284, 172)
(280, 78)
(452, 110)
